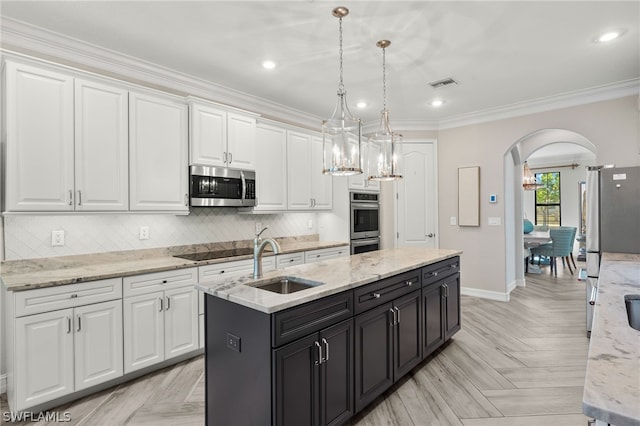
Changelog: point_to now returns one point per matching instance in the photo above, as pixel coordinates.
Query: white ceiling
(503, 53)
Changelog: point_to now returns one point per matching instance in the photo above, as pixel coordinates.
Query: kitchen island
(322, 354)
(612, 383)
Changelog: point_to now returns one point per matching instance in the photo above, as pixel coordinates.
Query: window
(548, 199)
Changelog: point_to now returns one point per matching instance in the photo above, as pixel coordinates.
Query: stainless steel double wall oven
(364, 222)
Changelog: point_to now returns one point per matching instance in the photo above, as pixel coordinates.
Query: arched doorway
(514, 158)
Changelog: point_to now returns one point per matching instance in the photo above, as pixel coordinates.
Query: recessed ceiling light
(269, 65)
(608, 36)
(437, 102)
(361, 104)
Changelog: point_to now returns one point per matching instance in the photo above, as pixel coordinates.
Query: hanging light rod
(572, 165)
(342, 133)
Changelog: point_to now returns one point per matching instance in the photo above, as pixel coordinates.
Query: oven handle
(366, 206)
(244, 186)
(594, 296)
(365, 242)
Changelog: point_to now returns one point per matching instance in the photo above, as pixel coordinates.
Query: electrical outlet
(233, 342)
(144, 233)
(57, 238)
(258, 227)
(453, 221)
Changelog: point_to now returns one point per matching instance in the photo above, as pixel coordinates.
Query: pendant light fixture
(342, 133)
(529, 181)
(385, 145)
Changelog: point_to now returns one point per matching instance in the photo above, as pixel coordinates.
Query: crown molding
(35, 41)
(566, 100)
(30, 40)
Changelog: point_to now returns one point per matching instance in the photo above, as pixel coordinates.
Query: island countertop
(336, 275)
(612, 382)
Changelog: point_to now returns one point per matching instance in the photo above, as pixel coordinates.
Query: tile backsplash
(29, 236)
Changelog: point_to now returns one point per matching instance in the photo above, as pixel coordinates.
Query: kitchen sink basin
(285, 284)
(632, 302)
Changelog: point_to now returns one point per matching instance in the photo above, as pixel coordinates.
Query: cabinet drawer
(372, 295)
(234, 268)
(324, 254)
(290, 259)
(437, 271)
(31, 302)
(159, 281)
(297, 322)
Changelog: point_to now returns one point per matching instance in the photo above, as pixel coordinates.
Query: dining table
(534, 239)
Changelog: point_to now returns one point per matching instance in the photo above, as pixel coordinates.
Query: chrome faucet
(258, 248)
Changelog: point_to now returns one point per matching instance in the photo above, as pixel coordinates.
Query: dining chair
(561, 246)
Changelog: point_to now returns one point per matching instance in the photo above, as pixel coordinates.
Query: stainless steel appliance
(613, 209)
(222, 187)
(364, 222)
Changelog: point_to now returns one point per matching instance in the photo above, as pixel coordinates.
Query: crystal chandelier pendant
(385, 146)
(342, 133)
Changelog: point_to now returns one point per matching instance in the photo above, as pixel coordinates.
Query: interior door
(416, 201)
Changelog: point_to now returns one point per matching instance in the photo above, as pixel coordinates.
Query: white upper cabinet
(101, 147)
(271, 167)
(221, 138)
(158, 153)
(39, 138)
(307, 187)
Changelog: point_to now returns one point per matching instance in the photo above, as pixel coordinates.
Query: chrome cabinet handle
(79, 323)
(230, 158)
(409, 283)
(70, 202)
(319, 354)
(168, 303)
(594, 296)
(376, 295)
(393, 317)
(160, 300)
(224, 157)
(79, 197)
(68, 324)
(454, 266)
(397, 314)
(435, 274)
(326, 350)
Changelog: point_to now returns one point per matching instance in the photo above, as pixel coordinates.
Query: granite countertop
(29, 274)
(337, 274)
(612, 383)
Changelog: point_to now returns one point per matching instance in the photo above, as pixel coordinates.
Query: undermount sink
(285, 284)
(632, 302)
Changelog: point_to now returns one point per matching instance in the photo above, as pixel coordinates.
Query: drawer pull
(68, 324)
(376, 295)
(454, 266)
(164, 281)
(160, 300)
(393, 317)
(73, 296)
(168, 303)
(79, 323)
(326, 350)
(409, 283)
(395, 308)
(435, 274)
(222, 272)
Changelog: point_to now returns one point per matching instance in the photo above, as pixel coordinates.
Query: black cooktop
(218, 254)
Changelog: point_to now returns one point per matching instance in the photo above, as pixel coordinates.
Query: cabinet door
(158, 153)
(271, 168)
(452, 292)
(143, 330)
(298, 172)
(241, 141)
(44, 357)
(374, 354)
(208, 136)
(98, 343)
(101, 147)
(180, 321)
(432, 315)
(321, 184)
(407, 343)
(296, 375)
(336, 374)
(39, 136)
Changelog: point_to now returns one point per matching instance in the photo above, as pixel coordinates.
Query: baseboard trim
(3, 384)
(485, 294)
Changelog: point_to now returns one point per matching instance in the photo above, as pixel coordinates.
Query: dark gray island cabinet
(321, 362)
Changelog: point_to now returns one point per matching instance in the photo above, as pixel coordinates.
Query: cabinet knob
(73, 296)
(435, 274)
(376, 295)
(409, 283)
(164, 281)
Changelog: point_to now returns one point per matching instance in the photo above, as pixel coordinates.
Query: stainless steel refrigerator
(613, 220)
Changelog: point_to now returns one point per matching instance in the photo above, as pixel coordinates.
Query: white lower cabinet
(327, 253)
(160, 317)
(53, 353)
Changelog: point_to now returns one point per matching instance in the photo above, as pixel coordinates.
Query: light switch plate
(453, 221)
(57, 238)
(495, 221)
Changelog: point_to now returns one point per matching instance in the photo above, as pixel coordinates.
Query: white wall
(612, 126)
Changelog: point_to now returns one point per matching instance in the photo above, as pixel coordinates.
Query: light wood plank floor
(516, 363)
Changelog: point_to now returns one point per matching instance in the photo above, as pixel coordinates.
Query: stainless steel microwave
(222, 187)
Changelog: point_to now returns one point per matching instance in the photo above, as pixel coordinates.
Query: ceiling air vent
(443, 82)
